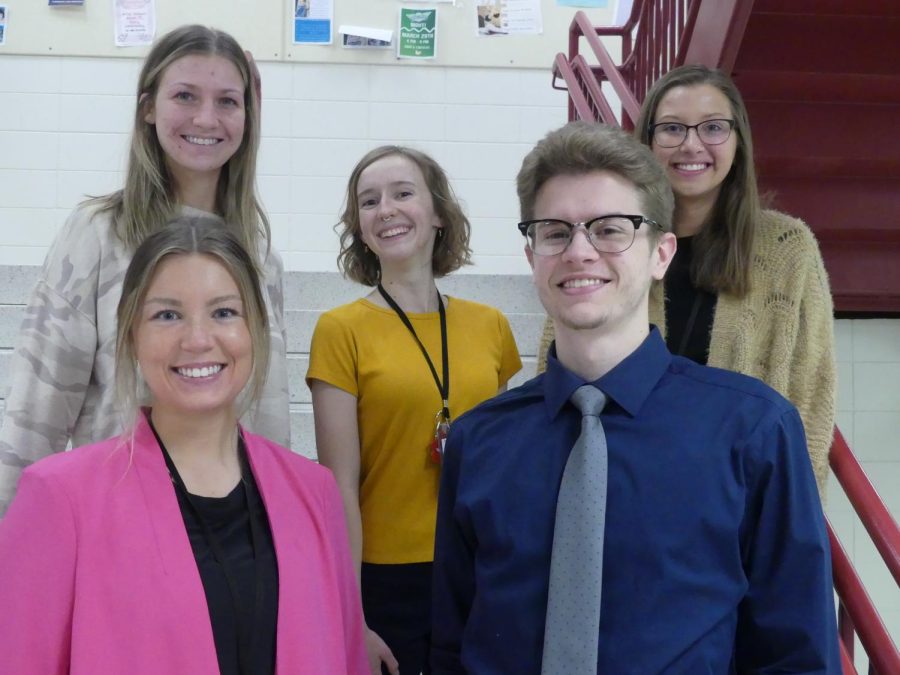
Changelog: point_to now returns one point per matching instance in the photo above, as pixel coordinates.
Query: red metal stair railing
(856, 612)
(586, 99)
(657, 36)
(659, 46)
(865, 500)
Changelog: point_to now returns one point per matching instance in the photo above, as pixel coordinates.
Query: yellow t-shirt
(366, 350)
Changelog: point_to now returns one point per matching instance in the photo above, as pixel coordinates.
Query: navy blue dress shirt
(716, 557)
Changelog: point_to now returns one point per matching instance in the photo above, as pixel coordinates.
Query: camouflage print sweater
(62, 375)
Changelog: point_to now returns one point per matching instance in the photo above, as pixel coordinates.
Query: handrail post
(846, 630)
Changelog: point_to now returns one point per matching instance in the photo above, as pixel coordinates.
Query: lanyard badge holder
(441, 429)
(442, 419)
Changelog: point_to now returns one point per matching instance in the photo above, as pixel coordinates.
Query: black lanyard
(443, 387)
(245, 629)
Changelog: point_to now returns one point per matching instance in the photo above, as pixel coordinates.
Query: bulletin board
(265, 27)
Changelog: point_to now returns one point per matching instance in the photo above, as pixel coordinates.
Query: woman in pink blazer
(186, 545)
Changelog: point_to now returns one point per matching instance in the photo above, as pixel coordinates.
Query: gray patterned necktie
(576, 565)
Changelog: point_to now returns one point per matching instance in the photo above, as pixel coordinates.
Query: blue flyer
(313, 21)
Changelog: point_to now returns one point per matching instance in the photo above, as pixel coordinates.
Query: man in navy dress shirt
(716, 558)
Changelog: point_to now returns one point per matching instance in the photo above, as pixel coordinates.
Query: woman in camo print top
(193, 152)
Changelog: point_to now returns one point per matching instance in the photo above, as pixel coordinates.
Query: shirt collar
(628, 384)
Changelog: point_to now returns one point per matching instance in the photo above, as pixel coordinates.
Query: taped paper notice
(365, 37)
(508, 17)
(417, 37)
(135, 22)
(312, 22)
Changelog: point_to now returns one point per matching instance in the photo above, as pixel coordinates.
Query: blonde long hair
(147, 201)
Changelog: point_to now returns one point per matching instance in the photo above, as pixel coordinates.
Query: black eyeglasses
(608, 234)
(673, 134)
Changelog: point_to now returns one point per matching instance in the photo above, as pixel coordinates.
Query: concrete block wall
(65, 121)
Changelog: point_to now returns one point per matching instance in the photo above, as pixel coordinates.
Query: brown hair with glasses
(723, 248)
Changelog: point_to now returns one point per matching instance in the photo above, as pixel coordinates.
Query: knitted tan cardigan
(781, 332)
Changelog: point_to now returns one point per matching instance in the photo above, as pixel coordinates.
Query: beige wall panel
(266, 28)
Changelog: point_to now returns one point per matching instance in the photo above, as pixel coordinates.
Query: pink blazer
(97, 575)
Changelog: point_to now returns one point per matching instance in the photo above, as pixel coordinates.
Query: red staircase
(821, 80)
(822, 85)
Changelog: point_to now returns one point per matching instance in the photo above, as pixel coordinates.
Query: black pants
(397, 604)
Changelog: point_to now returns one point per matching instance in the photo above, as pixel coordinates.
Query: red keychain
(441, 429)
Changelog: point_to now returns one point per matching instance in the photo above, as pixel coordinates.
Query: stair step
(820, 43)
(867, 206)
(857, 224)
(864, 135)
(822, 87)
(864, 277)
(839, 7)
(838, 236)
(826, 167)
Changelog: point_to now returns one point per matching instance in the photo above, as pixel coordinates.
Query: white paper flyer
(508, 17)
(135, 22)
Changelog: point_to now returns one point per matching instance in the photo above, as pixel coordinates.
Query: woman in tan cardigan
(747, 290)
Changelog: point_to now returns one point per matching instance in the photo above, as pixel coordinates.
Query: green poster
(417, 37)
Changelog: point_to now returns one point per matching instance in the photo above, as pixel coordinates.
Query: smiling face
(397, 220)
(582, 289)
(198, 112)
(191, 339)
(696, 170)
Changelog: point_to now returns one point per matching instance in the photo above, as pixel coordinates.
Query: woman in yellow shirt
(387, 374)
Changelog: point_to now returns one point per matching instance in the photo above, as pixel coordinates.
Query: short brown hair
(723, 249)
(451, 247)
(190, 235)
(583, 147)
